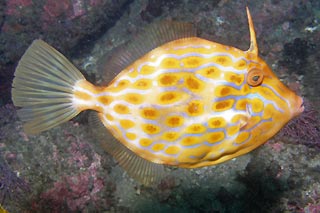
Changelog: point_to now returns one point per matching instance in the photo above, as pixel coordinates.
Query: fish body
(189, 102)
(2, 210)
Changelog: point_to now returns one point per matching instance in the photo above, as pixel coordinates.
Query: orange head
(275, 103)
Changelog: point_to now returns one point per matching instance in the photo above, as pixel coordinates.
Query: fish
(178, 100)
(2, 210)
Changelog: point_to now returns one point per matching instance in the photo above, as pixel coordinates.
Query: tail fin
(43, 88)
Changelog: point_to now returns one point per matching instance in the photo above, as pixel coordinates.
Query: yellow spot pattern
(196, 128)
(222, 91)
(174, 121)
(192, 62)
(150, 129)
(121, 109)
(220, 106)
(133, 74)
(108, 117)
(210, 72)
(170, 136)
(232, 130)
(131, 136)
(193, 83)
(168, 79)
(169, 97)
(234, 78)
(257, 105)
(145, 142)
(242, 137)
(158, 147)
(147, 70)
(82, 96)
(134, 98)
(169, 108)
(217, 122)
(170, 63)
(106, 100)
(195, 108)
(190, 141)
(223, 60)
(120, 86)
(242, 104)
(142, 84)
(240, 65)
(126, 124)
(149, 113)
(214, 137)
(172, 150)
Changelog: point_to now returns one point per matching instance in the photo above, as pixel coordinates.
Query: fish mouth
(297, 106)
(300, 104)
(302, 107)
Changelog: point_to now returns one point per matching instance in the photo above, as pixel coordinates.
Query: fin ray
(140, 169)
(154, 36)
(49, 123)
(43, 88)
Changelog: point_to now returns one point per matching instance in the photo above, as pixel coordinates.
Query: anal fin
(137, 167)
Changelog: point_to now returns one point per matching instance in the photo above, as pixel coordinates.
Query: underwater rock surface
(69, 25)
(67, 171)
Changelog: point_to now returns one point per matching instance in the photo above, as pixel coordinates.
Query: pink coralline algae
(312, 208)
(95, 2)
(74, 192)
(83, 183)
(78, 157)
(67, 9)
(54, 8)
(14, 6)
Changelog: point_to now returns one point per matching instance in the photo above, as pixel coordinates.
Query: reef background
(65, 169)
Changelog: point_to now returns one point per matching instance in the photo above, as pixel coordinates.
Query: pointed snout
(297, 107)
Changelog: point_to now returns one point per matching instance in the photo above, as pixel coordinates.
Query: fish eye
(254, 77)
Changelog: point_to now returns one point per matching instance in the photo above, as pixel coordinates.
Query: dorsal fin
(253, 40)
(154, 36)
(144, 171)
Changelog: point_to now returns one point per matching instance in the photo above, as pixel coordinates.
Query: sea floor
(66, 170)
